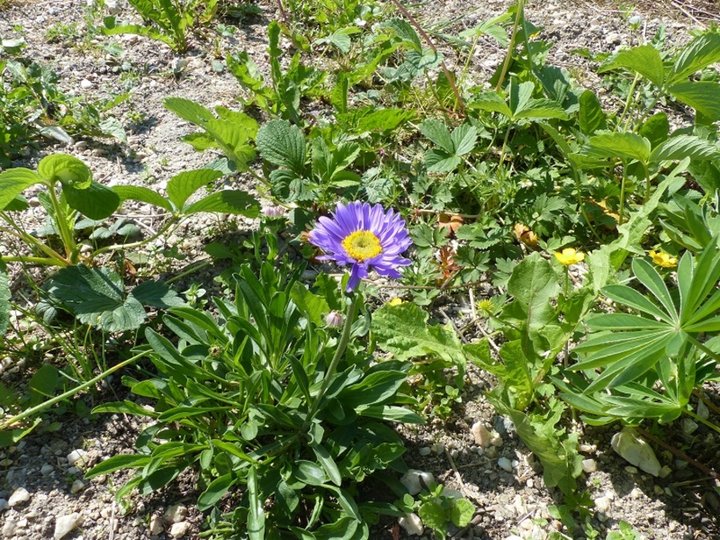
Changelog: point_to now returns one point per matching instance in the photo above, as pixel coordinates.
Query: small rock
(589, 466)
(156, 525)
(46, 469)
(481, 434)
(77, 458)
(505, 464)
(412, 524)
(3, 505)
(65, 524)
(689, 426)
(636, 451)
(415, 481)
(665, 472)
(180, 529)
(602, 504)
(85, 84)
(19, 496)
(77, 486)
(636, 493)
(496, 439)
(8, 530)
(631, 470)
(176, 513)
(425, 451)
(702, 410)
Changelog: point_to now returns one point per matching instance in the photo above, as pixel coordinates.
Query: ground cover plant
(390, 226)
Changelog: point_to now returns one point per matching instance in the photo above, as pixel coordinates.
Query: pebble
(589, 466)
(19, 496)
(77, 457)
(3, 505)
(425, 451)
(412, 524)
(496, 440)
(176, 513)
(505, 464)
(416, 481)
(636, 451)
(689, 426)
(8, 530)
(481, 434)
(85, 84)
(77, 486)
(65, 524)
(46, 469)
(156, 525)
(180, 529)
(602, 504)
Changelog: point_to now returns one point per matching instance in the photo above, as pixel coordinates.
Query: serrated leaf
(655, 129)
(282, 144)
(181, 186)
(682, 146)
(438, 133)
(703, 51)
(620, 145)
(227, 201)
(68, 170)
(13, 182)
(703, 96)
(157, 294)
(438, 161)
(464, 138)
(644, 60)
(95, 201)
(591, 116)
(491, 102)
(142, 194)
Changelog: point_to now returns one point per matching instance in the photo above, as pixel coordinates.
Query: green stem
(339, 351)
(503, 150)
(647, 182)
(44, 261)
(32, 241)
(628, 103)
(511, 46)
(61, 220)
(622, 195)
(172, 221)
(9, 422)
(704, 349)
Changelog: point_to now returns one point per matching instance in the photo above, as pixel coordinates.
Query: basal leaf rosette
(365, 237)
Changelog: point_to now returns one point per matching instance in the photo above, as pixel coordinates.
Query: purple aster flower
(367, 237)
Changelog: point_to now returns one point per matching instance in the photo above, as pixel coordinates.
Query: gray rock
(176, 513)
(77, 486)
(481, 434)
(65, 524)
(505, 464)
(636, 451)
(180, 529)
(3, 505)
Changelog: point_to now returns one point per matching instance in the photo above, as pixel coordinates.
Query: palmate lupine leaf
(627, 345)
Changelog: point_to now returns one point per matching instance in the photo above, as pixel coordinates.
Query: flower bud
(334, 319)
(274, 212)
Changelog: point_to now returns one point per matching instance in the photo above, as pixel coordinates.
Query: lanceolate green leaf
(142, 194)
(181, 186)
(644, 60)
(682, 146)
(700, 53)
(226, 201)
(620, 145)
(703, 96)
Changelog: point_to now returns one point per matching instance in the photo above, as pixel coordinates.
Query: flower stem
(339, 351)
(9, 422)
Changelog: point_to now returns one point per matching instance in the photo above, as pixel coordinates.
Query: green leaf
(94, 201)
(44, 383)
(124, 407)
(309, 473)
(461, 512)
(403, 331)
(313, 306)
(282, 144)
(97, 297)
(68, 170)
(142, 194)
(620, 145)
(464, 139)
(703, 51)
(432, 514)
(328, 463)
(181, 186)
(682, 146)
(438, 133)
(644, 60)
(13, 182)
(491, 102)
(591, 116)
(157, 294)
(227, 201)
(215, 491)
(703, 96)
(437, 161)
(117, 463)
(655, 129)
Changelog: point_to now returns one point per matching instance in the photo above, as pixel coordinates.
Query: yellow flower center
(362, 245)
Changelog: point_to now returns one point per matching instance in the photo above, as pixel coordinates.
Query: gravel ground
(42, 493)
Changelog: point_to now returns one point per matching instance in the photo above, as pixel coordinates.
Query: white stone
(589, 466)
(496, 439)
(176, 513)
(636, 493)
(636, 451)
(19, 496)
(77, 486)
(85, 84)
(416, 481)
(180, 529)
(602, 504)
(65, 524)
(412, 524)
(156, 525)
(481, 434)
(505, 464)
(77, 458)
(8, 529)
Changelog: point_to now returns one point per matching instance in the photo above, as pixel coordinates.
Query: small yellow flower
(663, 259)
(486, 306)
(569, 256)
(395, 301)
